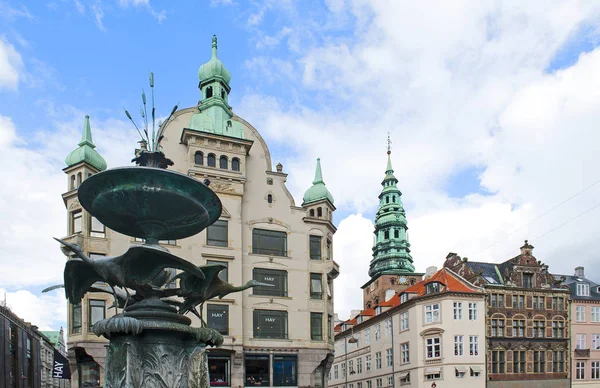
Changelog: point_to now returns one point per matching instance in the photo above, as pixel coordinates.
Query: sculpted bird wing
(79, 277)
(51, 288)
(143, 263)
(191, 283)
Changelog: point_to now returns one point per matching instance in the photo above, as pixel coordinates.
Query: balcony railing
(582, 353)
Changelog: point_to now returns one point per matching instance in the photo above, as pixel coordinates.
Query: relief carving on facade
(222, 187)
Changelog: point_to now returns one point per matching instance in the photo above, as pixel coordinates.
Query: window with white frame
(368, 362)
(539, 329)
(580, 370)
(433, 347)
(475, 372)
(403, 298)
(595, 314)
(473, 345)
(379, 383)
(472, 311)
(369, 384)
(458, 345)
(595, 341)
(406, 379)
(351, 367)
(457, 310)
(335, 372)
(404, 353)
(390, 381)
(404, 321)
(583, 289)
(343, 370)
(580, 313)
(367, 336)
(595, 370)
(497, 328)
(351, 385)
(433, 375)
(459, 373)
(377, 332)
(359, 385)
(378, 360)
(581, 340)
(359, 365)
(389, 357)
(388, 327)
(432, 313)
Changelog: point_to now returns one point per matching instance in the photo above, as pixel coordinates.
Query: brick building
(527, 325)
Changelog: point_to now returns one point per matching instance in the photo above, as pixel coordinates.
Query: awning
(403, 375)
(461, 369)
(432, 371)
(477, 368)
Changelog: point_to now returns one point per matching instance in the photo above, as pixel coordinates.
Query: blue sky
(492, 110)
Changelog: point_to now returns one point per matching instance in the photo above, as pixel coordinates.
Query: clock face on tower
(402, 280)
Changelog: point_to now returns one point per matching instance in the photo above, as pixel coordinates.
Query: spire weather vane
(389, 143)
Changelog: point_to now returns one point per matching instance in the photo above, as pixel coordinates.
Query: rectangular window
(595, 341)
(367, 336)
(368, 362)
(316, 286)
(388, 327)
(269, 242)
(377, 332)
(378, 360)
(518, 361)
(539, 329)
(475, 372)
(344, 370)
(76, 222)
(538, 302)
(457, 310)
(473, 345)
(359, 365)
(217, 234)
(595, 314)
(458, 345)
(329, 323)
(583, 290)
(472, 311)
(404, 321)
(527, 280)
(96, 311)
(359, 385)
(581, 341)
(558, 329)
(518, 328)
(459, 373)
(76, 318)
(405, 379)
(97, 228)
(219, 370)
(539, 361)
(580, 370)
(404, 353)
(315, 247)
(316, 326)
(168, 242)
(270, 276)
(369, 384)
(580, 313)
(558, 361)
(336, 372)
(431, 375)
(389, 357)
(270, 324)
(217, 317)
(557, 303)
(328, 250)
(223, 275)
(433, 347)
(595, 370)
(285, 371)
(497, 328)
(257, 370)
(432, 313)
(329, 288)
(498, 361)
(379, 383)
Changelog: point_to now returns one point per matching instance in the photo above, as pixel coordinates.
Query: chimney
(430, 271)
(389, 294)
(579, 271)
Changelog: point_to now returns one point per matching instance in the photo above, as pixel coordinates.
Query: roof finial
(389, 144)
(214, 46)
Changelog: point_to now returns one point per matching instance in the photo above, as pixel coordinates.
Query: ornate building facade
(391, 269)
(527, 320)
(274, 336)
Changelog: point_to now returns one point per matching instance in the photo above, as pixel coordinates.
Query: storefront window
(257, 371)
(219, 371)
(285, 371)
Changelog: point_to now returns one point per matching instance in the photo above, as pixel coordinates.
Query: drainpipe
(346, 371)
(393, 353)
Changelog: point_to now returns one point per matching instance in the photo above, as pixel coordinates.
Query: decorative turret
(86, 151)
(391, 251)
(318, 191)
(214, 68)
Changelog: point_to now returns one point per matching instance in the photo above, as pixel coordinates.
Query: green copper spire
(214, 68)
(318, 190)
(391, 251)
(86, 151)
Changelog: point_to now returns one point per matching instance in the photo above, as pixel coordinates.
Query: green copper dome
(86, 151)
(318, 190)
(214, 68)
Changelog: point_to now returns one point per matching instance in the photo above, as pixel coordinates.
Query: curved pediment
(432, 331)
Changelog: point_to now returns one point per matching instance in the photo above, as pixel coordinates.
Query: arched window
(319, 212)
(199, 158)
(235, 164)
(270, 198)
(223, 162)
(211, 160)
(386, 234)
(78, 179)
(209, 92)
(396, 233)
(72, 182)
(311, 212)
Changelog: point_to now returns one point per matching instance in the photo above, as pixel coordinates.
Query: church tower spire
(391, 250)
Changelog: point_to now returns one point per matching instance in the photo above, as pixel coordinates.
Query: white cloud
(80, 7)
(158, 15)
(46, 311)
(11, 66)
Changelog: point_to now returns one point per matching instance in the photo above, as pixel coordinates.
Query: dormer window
(431, 288)
(378, 310)
(583, 289)
(359, 319)
(403, 298)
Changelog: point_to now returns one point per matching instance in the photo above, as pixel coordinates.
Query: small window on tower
(396, 233)
(223, 162)
(270, 198)
(311, 212)
(223, 94)
(209, 92)
(235, 164)
(387, 199)
(199, 158)
(386, 234)
(211, 160)
(319, 212)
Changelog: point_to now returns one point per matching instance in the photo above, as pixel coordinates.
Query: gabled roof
(451, 283)
(571, 281)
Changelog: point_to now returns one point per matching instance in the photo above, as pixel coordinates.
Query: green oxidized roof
(86, 151)
(318, 190)
(53, 336)
(214, 67)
